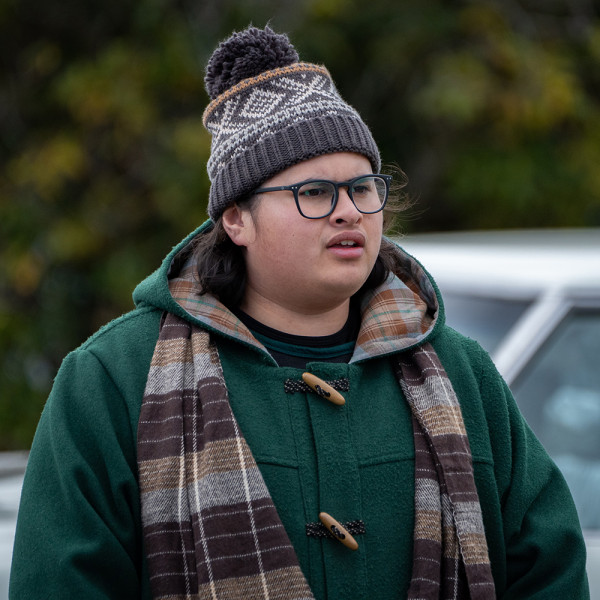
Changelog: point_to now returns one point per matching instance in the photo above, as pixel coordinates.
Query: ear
(238, 225)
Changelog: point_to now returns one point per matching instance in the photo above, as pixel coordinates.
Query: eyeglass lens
(315, 198)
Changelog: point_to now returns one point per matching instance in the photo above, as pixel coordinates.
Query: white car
(532, 299)
(12, 468)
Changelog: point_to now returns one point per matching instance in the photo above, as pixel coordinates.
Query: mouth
(352, 239)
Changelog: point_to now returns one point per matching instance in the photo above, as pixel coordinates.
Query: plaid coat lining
(395, 316)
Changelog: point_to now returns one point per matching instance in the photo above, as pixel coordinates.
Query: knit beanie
(268, 111)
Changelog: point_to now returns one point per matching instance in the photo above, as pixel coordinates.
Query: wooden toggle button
(339, 532)
(323, 389)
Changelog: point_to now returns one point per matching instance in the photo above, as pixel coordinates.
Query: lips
(347, 239)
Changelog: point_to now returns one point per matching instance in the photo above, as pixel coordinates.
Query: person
(285, 414)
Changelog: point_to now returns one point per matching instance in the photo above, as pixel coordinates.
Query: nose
(345, 211)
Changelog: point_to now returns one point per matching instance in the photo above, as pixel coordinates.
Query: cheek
(286, 236)
(375, 232)
(286, 252)
(278, 246)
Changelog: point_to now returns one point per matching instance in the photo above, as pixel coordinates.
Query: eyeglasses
(317, 198)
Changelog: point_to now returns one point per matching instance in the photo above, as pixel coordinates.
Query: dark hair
(220, 265)
(221, 268)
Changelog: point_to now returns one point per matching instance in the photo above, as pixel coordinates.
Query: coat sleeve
(78, 531)
(545, 550)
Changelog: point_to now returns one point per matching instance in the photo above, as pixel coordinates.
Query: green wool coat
(79, 529)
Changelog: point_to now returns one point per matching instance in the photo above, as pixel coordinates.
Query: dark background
(491, 108)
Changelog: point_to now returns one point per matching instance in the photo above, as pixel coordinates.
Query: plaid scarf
(210, 527)
(450, 557)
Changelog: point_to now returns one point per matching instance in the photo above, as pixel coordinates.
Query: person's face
(308, 264)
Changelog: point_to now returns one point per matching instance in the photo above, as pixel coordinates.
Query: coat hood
(400, 314)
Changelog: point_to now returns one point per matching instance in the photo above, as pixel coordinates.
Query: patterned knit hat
(269, 112)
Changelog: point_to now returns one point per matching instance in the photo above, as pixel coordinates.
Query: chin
(345, 288)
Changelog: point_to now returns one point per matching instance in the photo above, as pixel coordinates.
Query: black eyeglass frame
(295, 188)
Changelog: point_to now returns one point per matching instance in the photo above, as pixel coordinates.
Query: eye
(362, 187)
(315, 189)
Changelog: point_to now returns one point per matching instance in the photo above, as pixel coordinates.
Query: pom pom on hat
(246, 54)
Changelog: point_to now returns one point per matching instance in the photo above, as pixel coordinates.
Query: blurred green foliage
(491, 107)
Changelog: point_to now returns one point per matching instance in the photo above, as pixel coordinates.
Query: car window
(559, 395)
(485, 319)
